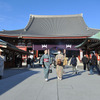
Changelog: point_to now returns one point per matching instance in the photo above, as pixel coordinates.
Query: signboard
(50, 46)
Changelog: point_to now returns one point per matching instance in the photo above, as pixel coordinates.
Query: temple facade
(51, 32)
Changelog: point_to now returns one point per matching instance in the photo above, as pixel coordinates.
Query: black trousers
(84, 66)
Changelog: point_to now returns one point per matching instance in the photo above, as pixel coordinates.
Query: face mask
(58, 52)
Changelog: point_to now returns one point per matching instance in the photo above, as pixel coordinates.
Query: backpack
(74, 61)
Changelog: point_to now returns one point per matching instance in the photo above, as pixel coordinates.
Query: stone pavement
(30, 85)
(14, 71)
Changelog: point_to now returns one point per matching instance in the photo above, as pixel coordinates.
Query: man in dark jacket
(85, 60)
(94, 64)
(28, 62)
(74, 64)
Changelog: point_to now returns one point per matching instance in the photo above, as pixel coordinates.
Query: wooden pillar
(87, 53)
(36, 53)
(96, 53)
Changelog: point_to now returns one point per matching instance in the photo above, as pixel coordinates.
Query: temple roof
(8, 46)
(96, 36)
(53, 26)
(90, 42)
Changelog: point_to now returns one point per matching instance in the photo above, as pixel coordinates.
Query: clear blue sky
(14, 14)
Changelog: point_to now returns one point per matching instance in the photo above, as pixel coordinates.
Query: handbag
(58, 61)
(50, 70)
(65, 62)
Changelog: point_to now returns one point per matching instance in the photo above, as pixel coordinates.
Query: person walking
(32, 62)
(74, 64)
(93, 64)
(59, 64)
(85, 61)
(2, 59)
(45, 61)
(28, 62)
(64, 64)
(88, 63)
(32, 59)
(18, 61)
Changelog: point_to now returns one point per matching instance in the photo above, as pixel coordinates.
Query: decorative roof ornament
(20, 36)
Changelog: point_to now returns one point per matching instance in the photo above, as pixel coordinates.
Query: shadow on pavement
(8, 83)
(14, 71)
(68, 75)
(52, 78)
(72, 75)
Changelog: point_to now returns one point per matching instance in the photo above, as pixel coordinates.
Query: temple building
(91, 44)
(51, 32)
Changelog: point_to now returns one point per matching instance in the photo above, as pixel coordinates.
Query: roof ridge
(94, 28)
(76, 15)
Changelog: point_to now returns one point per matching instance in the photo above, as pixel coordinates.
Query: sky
(14, 14)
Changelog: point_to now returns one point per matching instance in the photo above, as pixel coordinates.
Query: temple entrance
(66, 49)
(40, 53)
(69, 53)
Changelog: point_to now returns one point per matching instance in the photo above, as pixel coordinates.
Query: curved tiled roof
(54, 26)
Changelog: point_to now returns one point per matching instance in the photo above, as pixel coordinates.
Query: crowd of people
(90, 64)
(30, 61)
(61, 62)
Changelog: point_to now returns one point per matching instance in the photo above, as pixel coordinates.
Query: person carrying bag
(59, 65)
(45, 61)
